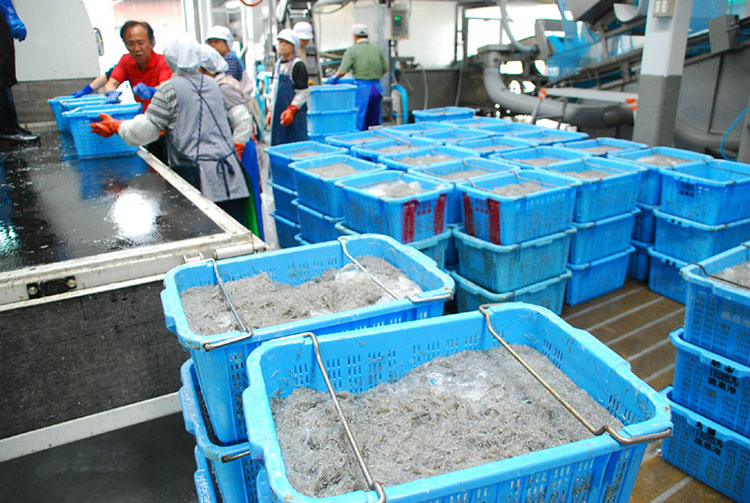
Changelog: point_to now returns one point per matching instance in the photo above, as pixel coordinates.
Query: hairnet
(359, 30)
(289, 36)
(222, 33)
(303, 30)
(212, 61)
(183, 54)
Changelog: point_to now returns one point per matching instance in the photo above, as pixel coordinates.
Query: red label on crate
(493, 209)
(439, 215)
(408, 210)
(468, 215)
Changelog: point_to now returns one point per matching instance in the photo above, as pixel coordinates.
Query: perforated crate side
(664, 276)
(597, 277)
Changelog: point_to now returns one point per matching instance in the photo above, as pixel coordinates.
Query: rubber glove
(144, 91)
(287, 116)
(106, 127)
(240, 147)
(86, 90)
(113, 97)
(333, 80)
(17, 28)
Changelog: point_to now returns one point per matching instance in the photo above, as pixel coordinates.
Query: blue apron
(250, 164)
(297, 130)
(369, 94)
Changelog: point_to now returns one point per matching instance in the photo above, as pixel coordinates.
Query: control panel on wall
(399, 24)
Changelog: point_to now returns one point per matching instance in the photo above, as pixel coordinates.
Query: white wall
(60, 42)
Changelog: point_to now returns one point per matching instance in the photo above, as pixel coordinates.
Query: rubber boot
(10, 131)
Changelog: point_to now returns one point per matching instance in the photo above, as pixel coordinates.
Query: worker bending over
(367, 63)
(190, 108)
(288, 115)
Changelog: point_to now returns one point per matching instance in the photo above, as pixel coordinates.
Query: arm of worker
(17, 28)
(161, 115)
(301, 87)
(241, 123)
(346, 64)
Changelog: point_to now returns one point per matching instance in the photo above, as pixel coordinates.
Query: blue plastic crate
(321, 193)
(286, 229)
(406, 219)
(316, 227)
(204, 487)
(664, 276)
(220, 370)
(390, 145)
(639, 261)
(451, 252)
(599, 239)
(717, 314)
(235, 479)
(429, 156)
(349, 140)
(536, 157)
(67, 103)
(443, 172)
(435, 247)
(280, 156)
(708, 451)
(507, 220)
(520, 128)
(416, 128)
(597, 277)
(602, 147)
(491, 124)
(302, 241)
(549, 136)
(443, 114)
(592, 470)
(455, 135)
(89, 144)
(331, 122)
(547, 293)
(712, 193)
(650, 190)
(282, 198)
(711, 385)
(487, 146)
(329, 97)
(503, 268)
(691, 241)
(644, 229)
(604, 197)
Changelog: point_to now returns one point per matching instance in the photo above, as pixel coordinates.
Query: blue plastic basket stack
(332, 111)
(74, 116)
(603, 218)
(514, 247)
(284, 187)
(644, 262)
(710, 397)
(444, 114)
(215, 376)
(319, 204)
(705, 209)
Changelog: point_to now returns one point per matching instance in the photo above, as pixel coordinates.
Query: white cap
(359, 30)
(289, 36)
(183, 54)
(212, 61)
(222, 33)
(304, 30)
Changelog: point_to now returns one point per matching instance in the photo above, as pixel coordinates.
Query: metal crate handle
(246, 332)
(712, 276)
(594, 431)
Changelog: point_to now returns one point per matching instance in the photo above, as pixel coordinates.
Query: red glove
(240, 148)
(287, 116)
(106, 127)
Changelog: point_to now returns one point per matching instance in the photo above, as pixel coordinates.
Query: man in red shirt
(142, 67)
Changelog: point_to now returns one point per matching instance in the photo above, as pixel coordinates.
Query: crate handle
(709, 275)
(594, 431)
(246, 332)
(412, 298)
(372, 484)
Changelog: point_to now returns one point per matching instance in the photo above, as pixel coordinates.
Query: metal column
(661, 71)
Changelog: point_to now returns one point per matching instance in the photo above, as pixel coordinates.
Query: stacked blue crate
(705, 209)
(332, 110)
(604, 216)
(539, 156)
(284, 186)
(514, 247)
(710, 396)
(320, 203)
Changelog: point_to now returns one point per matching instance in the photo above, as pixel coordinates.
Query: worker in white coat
(190, 108)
